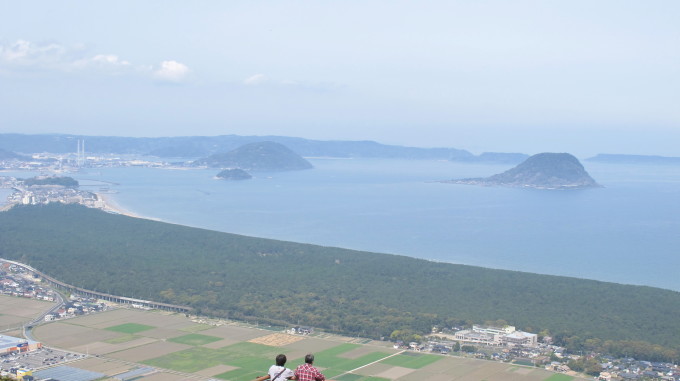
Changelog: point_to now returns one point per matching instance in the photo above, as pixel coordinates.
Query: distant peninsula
(540, 171)
(634, 159)
(234, 174)
(260, 156)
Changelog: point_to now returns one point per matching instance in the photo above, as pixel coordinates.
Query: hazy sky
(515, 76)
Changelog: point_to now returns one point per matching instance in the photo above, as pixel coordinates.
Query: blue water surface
(627, 232)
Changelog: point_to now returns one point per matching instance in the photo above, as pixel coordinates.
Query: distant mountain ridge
(203, 146)
(543, 171)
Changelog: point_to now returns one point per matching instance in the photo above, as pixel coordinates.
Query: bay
(627, 232)
(4, 192)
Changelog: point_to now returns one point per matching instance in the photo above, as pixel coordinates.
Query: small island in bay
(234, 174)
(260, 156)
(540, 171)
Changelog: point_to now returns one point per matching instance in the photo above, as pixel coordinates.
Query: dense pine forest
(345, 291)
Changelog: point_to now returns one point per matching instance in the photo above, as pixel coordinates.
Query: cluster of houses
(14, 282)
(45, 194)
(75, 307)
(508, 344)
(301, 330)
(24, 165)
(631, 369)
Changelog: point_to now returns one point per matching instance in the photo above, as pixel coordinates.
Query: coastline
(111, 206)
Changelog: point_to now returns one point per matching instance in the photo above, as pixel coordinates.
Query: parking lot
(40, 358)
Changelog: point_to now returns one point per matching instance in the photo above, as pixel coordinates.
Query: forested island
(64, 181)
(543, 171)
(259, 156)
(234, 174)
(344, 291)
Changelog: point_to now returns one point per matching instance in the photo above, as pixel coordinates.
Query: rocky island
(540, 171)
(234, 174)
(260, 156)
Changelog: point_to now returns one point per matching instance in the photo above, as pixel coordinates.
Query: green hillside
(259, 156)
(352, 292)
(63, 181)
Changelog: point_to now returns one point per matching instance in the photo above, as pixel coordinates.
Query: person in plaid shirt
(306, 372)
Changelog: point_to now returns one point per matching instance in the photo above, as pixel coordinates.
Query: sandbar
(111, 206)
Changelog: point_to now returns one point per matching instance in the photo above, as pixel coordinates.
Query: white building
(496, 336)
(520, 338)
(494, 330)
(472, 337)
(28, 199)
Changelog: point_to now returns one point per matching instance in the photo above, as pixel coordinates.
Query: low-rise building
(9, 344)
(494, 330)
(520, 338)
(303, 330)
(468, 336)
(496, 336)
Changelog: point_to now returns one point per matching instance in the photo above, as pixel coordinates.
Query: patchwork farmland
(173, 347)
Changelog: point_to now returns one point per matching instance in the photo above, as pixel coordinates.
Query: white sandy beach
(112, 206)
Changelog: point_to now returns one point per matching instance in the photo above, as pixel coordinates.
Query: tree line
(64, 181)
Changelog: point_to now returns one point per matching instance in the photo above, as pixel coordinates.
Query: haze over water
(626, 232)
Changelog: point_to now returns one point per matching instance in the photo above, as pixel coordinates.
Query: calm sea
(627, 232)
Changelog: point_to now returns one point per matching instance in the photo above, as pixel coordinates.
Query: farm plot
(130, 328)
(194, 339)
(177, 346)
(249, 357)
(16, 311)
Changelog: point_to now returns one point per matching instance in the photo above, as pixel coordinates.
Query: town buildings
(496, 336)
(9, 345)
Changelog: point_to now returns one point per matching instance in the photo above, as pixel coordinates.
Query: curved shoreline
(111, 206)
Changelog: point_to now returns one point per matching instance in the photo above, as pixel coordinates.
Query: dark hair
(281, 360)
(309, 358)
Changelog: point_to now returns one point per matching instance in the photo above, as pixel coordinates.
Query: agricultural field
(14, 311)
(170, 346)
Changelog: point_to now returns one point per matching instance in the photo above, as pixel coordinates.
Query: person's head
(309, 358)
(281, 360)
